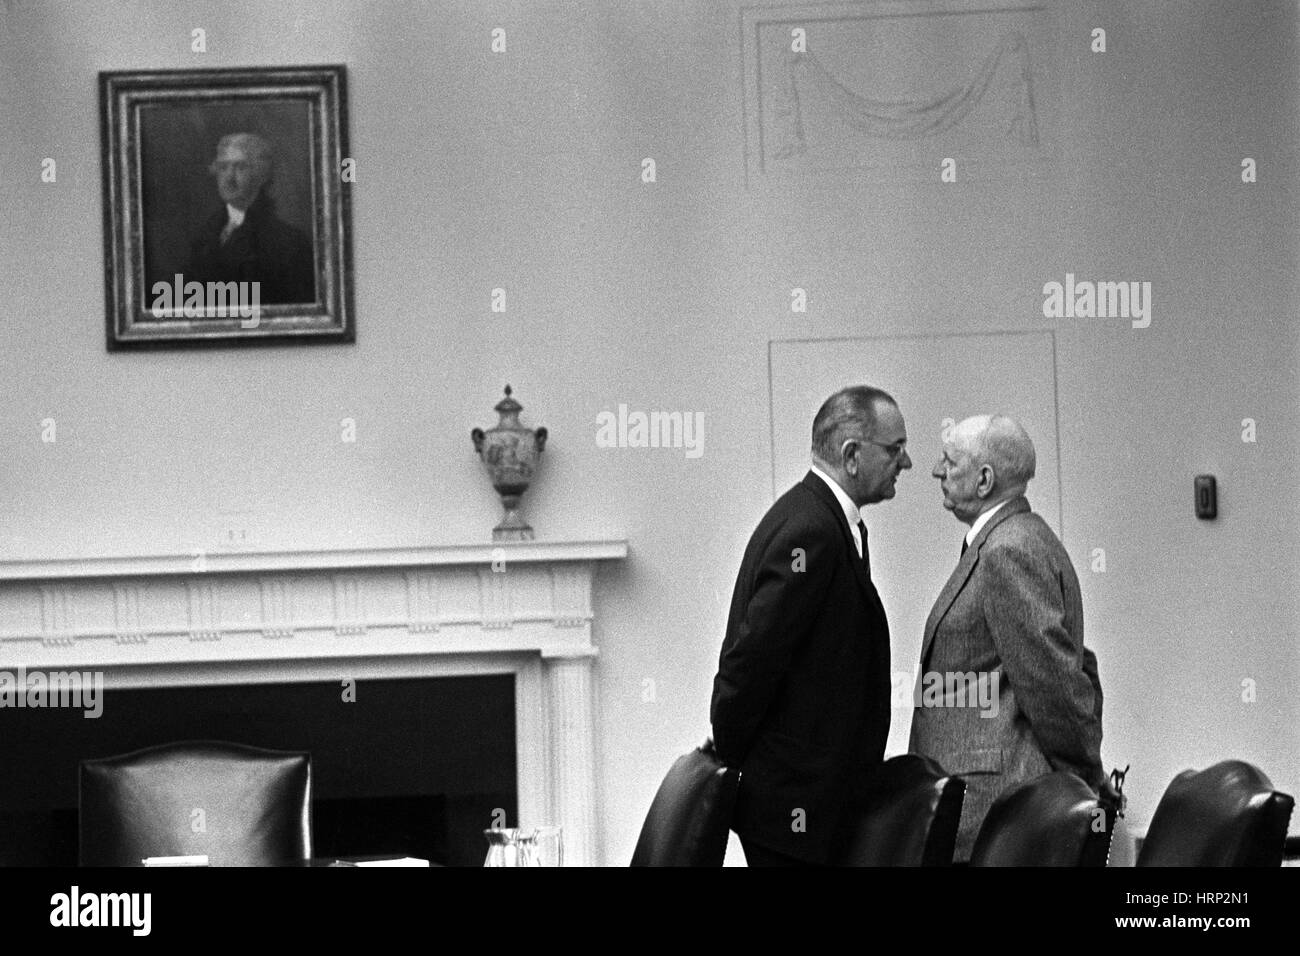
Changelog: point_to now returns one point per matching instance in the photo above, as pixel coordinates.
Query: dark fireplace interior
(414, 767)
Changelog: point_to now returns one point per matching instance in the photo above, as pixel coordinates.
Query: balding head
(987, 459)
(859, 439)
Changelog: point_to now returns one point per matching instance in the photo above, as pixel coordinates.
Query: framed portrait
(226, 209)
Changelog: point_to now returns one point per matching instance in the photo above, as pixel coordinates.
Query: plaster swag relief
(808, 77)
(895, 88)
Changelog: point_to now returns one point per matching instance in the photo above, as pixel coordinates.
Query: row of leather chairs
(1226, 815)
(242, 805)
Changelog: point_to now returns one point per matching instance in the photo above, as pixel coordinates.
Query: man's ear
(847, 455)
(984, 483)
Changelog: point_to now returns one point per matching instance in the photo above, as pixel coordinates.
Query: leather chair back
(238, 805)
(691, 813)
(1225, 815)
(910, 817)
(1052, 820)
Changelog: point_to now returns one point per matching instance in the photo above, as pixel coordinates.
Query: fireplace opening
(407, 766)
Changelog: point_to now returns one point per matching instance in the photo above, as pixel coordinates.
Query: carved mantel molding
(516, 607)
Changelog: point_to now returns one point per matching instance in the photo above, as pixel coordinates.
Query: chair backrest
(691, 813)
(1225, 815)
(910, 817)
(238, 805)
(1052, 820)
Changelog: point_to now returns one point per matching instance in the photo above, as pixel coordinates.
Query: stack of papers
(394, 861)
(201, 860)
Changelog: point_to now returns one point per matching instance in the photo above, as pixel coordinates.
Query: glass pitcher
(518, 846)
(510, 846)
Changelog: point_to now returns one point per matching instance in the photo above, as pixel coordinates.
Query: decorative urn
(510, 453)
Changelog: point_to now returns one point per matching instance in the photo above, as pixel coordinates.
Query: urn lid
(507, 405)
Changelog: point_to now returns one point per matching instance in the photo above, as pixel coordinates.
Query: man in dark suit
(245, 241)
(802, 696)
(1011, 617)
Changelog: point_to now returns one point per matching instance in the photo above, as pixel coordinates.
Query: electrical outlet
(1207, 497)
(235, 537)
(234, 531)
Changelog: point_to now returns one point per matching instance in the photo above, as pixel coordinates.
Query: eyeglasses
(894, 449)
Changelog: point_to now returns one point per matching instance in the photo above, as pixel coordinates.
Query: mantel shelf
(254, 562)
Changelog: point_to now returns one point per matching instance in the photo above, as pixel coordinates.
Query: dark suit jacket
(1012, 605)
(801, 700)
(263, 249)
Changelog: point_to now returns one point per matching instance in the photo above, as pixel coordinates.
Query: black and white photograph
(844, 435)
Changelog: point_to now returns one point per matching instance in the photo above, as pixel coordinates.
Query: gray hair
(846, 414)
(259, 149)
(1004, 444)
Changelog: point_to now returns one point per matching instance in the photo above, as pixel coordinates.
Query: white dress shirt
(982, 520)
(852, 513)
(234, 221)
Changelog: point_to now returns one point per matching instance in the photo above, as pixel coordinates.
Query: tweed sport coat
(1011, 608)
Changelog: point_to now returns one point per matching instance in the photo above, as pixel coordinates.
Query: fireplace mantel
(255, 561)
(521, 607)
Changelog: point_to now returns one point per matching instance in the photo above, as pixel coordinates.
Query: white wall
(521, 171)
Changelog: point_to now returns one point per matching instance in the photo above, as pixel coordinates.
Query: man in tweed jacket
(1011, 617)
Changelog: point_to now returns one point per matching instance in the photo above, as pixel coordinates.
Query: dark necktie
(866, 556)
(963, 547)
